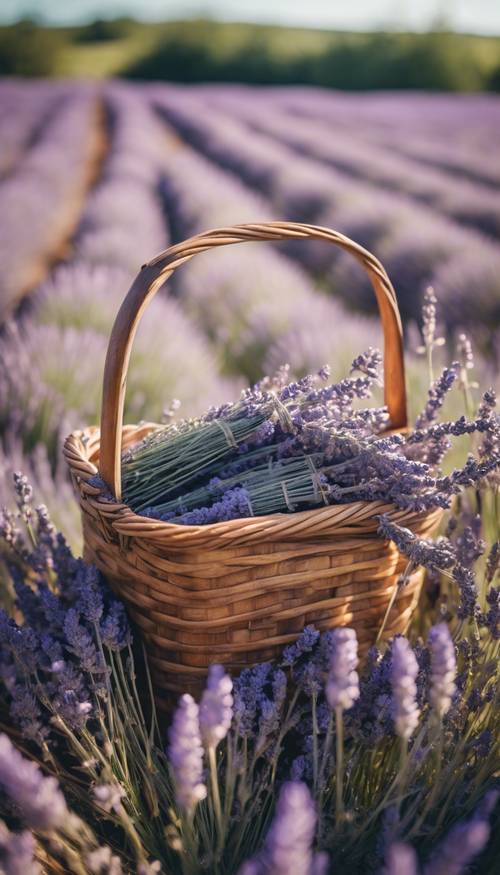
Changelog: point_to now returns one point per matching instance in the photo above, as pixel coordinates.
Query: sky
(477, 16)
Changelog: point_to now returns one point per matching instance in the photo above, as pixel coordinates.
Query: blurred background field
(389, 137)
(204, 49)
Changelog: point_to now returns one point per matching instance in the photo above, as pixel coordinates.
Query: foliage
(435, 61)
(103, 30)
(27, 49)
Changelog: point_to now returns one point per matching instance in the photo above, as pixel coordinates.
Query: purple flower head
(421, 551)
(24, 495)
(368, 363)
(27, 714)
(493, 562)
(304, 644)
(102, 860)
(109, 796)
(88, 586)
(443, 669)
(271, 709)
(114, 629)
(69, 695)
(185, 754)
(491, 619)
(38, 798)
(462, 844)
(216, 707)
(404, 671)
(288, 844)
(401, 859)
(437, 396)
(464, 351)
(80, 643)
(259, 694)
(469, 544)
(17, 852)
(429, 316)
(342, 685)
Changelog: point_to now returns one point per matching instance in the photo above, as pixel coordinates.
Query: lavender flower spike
(464, 842)
(288, 845)
(342, 686)
(17, 852)
(186, 754)
(38, 798)
(404, 689)
(401, 860)
(216, 707)
(443, 668)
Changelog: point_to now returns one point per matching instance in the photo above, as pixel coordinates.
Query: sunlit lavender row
(314, 173)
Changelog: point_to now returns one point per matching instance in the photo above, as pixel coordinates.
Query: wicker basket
(236, 592)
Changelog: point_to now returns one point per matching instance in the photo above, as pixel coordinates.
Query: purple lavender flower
(404, 672)
(493, 562)
(103, 860)
(90, 593)
(109, 796)
(469, 544)
(17, 852)
(250, 696)
(27, 714)
(437, 396)
(186, 755)
(271, 710)
(421, 551)
(401, 859)
(443, 669)
(37, 797)
(216, 707)
(288, 845)
(342, 685)
(368, 363)
(464, 351)
(429, 316)
(114, 628)
(80, 643)
(462, 844)
(234, 503)
(307, 639)
(491, 618)
(68, 695)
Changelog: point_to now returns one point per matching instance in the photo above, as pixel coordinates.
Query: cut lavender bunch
(287, 446)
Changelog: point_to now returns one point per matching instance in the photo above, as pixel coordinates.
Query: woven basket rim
(83, 444)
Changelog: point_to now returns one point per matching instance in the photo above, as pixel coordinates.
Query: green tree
(28, 50)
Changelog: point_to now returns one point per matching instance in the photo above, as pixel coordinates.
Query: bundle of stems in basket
(286, 446)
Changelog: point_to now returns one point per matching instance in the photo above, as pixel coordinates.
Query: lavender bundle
(289, 446)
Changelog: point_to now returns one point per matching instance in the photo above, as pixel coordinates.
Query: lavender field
(298, 765)
(97, 179)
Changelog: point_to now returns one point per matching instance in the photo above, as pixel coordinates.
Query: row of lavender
(427, 225)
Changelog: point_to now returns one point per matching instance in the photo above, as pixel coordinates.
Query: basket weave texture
(236, 592)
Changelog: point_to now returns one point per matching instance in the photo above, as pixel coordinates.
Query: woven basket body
(237, 592)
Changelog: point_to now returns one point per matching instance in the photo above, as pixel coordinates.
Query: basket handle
(155, 272)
